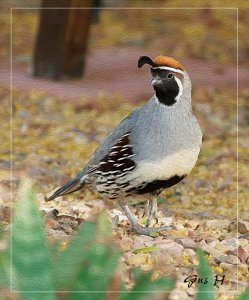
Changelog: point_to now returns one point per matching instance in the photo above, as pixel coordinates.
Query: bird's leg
(146, 208)
(129, 215)
(139, 229)
(115, 221)
(151, 207)
(152, 211)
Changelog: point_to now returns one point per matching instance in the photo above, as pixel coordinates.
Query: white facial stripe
(180, 88)
(169, 69)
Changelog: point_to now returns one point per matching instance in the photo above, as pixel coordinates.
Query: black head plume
(145, 60)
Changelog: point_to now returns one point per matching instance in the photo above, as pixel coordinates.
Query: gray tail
(68, 188)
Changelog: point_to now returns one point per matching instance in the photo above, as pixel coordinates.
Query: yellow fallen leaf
(154, 234)
(145, 250)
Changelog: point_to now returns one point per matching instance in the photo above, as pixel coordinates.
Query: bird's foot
(149, 230)
(152, 216)
(138, 229)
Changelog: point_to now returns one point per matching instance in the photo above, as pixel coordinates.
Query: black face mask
(165, 86)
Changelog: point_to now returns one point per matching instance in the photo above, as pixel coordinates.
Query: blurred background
(75, 76)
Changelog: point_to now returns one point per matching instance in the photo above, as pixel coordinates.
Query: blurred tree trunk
(62, 39)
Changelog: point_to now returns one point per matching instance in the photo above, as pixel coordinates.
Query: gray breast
(142, 160)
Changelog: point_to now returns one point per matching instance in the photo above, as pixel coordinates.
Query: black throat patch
(167, 89)
(166, 97)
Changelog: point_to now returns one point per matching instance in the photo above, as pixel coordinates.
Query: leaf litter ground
(52, 140)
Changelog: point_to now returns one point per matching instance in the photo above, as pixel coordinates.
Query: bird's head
(169, 78)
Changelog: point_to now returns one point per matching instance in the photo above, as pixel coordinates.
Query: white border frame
(11, 128)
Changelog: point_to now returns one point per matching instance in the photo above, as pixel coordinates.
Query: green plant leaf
(97, 272)
(88, 264)
(205, 291)
(100, 263)
(245, 295)
(70, 263)
(32, 271)
(144, 286)
(5, 268)
(104, 261)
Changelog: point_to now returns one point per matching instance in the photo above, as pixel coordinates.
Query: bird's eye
(170, 75)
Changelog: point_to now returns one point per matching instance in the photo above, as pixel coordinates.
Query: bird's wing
(118, 159)
(106, 158)
(117, 138)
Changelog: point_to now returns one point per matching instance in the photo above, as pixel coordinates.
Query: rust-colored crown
(168, 61)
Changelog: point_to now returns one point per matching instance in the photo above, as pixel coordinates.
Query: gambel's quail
(152, 149)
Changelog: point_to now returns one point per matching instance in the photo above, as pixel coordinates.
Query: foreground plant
(87, 269)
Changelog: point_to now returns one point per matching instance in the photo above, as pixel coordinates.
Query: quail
(152, 149)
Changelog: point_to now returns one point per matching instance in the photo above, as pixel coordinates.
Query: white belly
(179, 163)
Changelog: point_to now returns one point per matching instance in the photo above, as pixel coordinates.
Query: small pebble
(243, 227)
